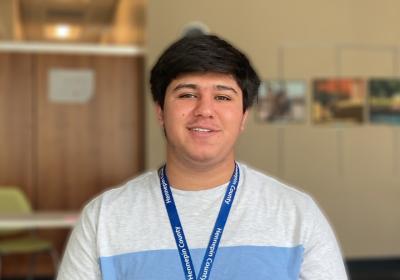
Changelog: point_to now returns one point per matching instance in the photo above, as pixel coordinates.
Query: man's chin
(202, 159)
(205, 160)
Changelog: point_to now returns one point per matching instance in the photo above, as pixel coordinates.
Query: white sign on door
(71, 85)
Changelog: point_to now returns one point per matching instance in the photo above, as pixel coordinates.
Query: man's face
(202, 117)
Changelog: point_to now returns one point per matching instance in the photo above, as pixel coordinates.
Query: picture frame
(338, 101)
(282, 101)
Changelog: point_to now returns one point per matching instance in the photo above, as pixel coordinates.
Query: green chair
(13, 242)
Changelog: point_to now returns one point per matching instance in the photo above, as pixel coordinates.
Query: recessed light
(62, 31)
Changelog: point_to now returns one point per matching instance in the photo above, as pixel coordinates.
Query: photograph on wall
(282, 101)
(338, 101)
(384, 101)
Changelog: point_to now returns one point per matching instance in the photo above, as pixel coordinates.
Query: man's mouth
(200, 129)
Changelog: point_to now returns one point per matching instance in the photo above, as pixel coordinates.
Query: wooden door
(16, 122)
(17, 134)
(85, 148)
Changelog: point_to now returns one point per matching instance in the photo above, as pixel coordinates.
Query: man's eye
(187, 95)
(222, 98)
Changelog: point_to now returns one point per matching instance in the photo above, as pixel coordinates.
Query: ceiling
(102, 21)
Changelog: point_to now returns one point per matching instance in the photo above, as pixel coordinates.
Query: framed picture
(338, 101)
(282, 101)
(384, 101)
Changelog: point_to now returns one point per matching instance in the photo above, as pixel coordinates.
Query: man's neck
(199, 177)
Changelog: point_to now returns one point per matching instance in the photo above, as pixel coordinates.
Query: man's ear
(244, 120)
(159, 114)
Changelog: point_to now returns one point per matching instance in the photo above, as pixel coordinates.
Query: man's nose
(204, 106)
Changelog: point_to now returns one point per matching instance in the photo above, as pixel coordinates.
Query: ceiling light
(62, 31)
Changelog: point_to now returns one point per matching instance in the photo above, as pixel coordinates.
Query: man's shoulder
(273, 187)
(284, 202)
(126, 193)
(133, 186)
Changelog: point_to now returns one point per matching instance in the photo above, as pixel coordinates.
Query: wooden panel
(63, 154)
(16, 134)
(16, 157)
(85, 148)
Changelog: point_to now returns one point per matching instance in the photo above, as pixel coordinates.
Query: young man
(202, 215)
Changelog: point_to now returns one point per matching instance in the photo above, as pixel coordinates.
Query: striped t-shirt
(273, 232)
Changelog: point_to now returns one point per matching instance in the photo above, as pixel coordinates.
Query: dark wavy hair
(200, 54)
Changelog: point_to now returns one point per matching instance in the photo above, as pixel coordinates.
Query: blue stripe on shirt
(233, 263)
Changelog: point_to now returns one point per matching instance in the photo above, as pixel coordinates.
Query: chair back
(13, 201)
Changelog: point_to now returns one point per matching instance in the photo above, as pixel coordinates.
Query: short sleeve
(322, 256)
(80, 260)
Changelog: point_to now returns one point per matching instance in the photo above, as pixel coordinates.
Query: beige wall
(10, 20)
(9, 25)
(128, 24)
(353, 172)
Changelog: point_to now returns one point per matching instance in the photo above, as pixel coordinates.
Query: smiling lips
(204, 130)
(199, 129)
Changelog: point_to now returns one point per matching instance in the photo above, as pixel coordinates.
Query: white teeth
(201, 129)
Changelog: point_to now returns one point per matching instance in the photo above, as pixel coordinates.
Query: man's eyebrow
(224, 87)
(183, 86)
(194, 86)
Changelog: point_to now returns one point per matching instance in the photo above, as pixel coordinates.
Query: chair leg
(54, 257)
(0, 267)
(32, 267)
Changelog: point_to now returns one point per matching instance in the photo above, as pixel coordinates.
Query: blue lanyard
(181, 244)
